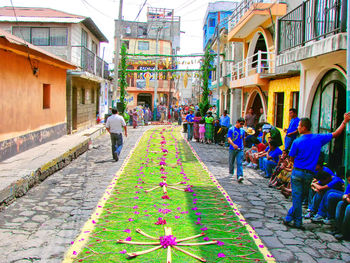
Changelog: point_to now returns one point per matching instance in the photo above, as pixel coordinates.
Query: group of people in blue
(297, 171)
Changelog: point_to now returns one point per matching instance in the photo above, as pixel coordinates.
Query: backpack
(276, 136)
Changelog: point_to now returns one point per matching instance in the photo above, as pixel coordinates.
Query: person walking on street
(114, 126)
(304, 153)
(292, 131)
(189, 120)
(235, 137)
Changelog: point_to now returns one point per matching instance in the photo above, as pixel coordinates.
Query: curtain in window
(22, 32)
(40, 36)
(58, 37)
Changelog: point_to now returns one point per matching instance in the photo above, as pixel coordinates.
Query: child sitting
(282, 163)
(251, 160)
(201, 130)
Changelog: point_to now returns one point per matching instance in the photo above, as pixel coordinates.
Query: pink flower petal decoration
(221, 255)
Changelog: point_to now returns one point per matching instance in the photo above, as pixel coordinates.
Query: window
(46, 96)
(279, 105)
(295, 100)
(211, 22)
(82, 96)
(40, 36)
(141, 31)
(94, 47)
(143, 45)
(92, 96)
(58, 36)
(22, 32)
(84, 38)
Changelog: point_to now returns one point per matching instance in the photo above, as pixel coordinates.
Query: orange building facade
(33, 92)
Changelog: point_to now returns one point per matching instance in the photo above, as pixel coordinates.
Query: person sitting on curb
(325, 183)
(272, 158)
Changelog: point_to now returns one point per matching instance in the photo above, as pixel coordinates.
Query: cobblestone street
(263, 208)
(40, 226)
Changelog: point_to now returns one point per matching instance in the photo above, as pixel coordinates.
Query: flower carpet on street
(165, 206)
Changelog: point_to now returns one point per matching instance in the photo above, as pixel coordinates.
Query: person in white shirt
(114, 126)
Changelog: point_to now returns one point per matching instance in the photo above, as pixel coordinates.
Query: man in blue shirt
(225, 125)
(189, 120)
(304, 153)
(235, 137)
(292, 131)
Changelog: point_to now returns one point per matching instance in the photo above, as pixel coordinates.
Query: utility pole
(218, 71)
(117, 51)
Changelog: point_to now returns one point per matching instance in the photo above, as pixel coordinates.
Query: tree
(206, 68)
(122, 78)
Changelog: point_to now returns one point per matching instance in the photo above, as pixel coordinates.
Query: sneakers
(317, 219)
(240, 179)
(255, 166)
(250, 165)
(327, 221)
(290, 224)
(309, 215)
(245, 163)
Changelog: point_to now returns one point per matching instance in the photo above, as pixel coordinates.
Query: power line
(144, 3)
(86, 3)
(186, 5)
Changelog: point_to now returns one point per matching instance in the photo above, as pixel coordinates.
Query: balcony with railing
(253, 70)
(314, 25)
(252, 13)
(89, 62)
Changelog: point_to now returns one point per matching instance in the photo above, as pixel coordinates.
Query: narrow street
(40, 226)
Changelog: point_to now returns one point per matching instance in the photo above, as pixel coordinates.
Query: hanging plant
(122, 77)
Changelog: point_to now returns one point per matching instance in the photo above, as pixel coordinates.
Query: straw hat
(250, 131)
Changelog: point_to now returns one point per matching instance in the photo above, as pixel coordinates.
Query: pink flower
(177, 217)
(135, 207)
(204, 228)
(220, 243)
(198, 213)
(206, 238)
(128, 239)
(221, 255)
(167, 241)
(165, 197)
(74, 252)
(130, 219)
(93, 221)
(160, 221)
(194, 208)
(127, 231)
(122, 252)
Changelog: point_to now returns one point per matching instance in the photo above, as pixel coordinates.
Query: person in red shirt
(251, 154)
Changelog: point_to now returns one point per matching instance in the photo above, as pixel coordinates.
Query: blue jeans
(261, 163)
(342, 217)
(300, 181)
(268, 167)
(189, 131)
(333, 198)
(233, 155)
(117, 144)
(288, 141)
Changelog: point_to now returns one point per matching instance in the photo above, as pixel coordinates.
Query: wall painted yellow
(287, 85)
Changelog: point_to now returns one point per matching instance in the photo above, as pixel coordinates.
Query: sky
(103, 13)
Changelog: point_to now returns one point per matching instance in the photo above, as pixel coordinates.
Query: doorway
(144, 99)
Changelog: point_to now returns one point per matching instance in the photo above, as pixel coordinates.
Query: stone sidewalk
(22, 171)
(263, 208)
(40, 226)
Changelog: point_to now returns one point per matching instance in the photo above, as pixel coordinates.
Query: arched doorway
(144, 99)
(328, 108)
(258, 43)
(255, 101)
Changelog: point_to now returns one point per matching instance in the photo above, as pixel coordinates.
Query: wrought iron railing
(242, 8)
(90, 62)
(261, 62)
(310, 21)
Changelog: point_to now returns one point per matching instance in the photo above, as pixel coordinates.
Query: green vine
(122, 77)
(206, 68)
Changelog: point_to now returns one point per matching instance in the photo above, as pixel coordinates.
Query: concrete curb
(30, 178)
